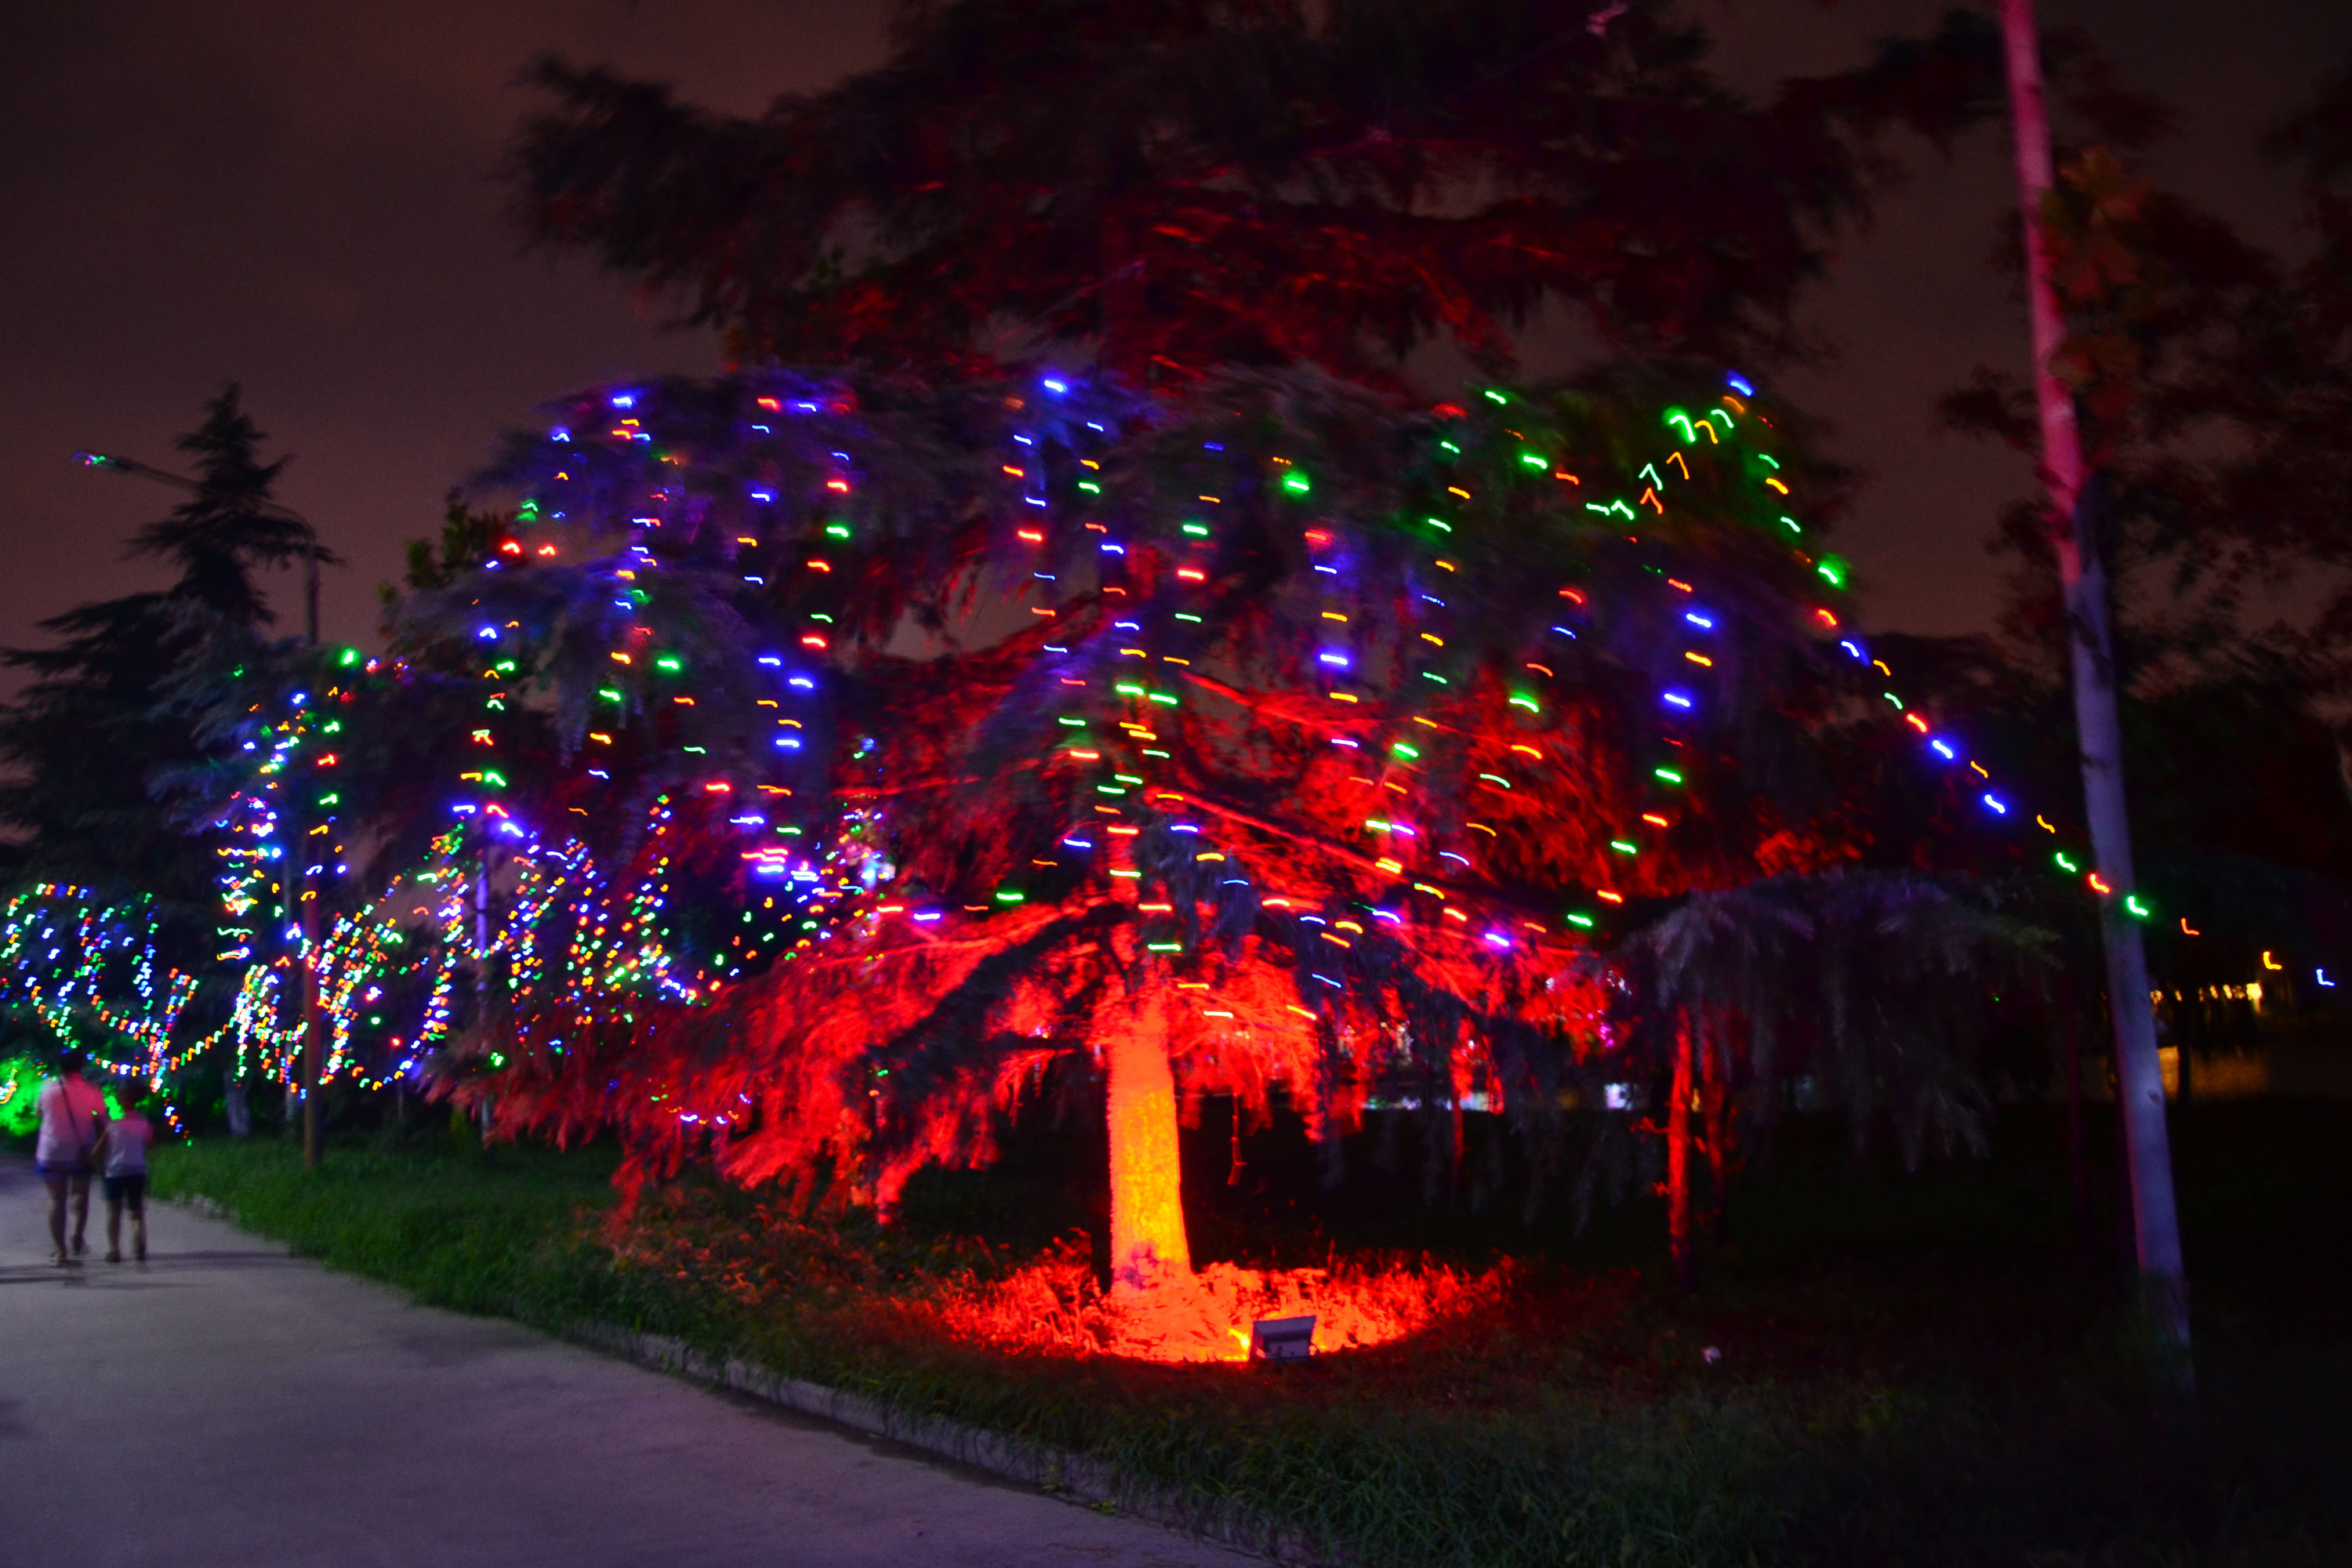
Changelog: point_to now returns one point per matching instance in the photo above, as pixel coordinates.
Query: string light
(569, 942)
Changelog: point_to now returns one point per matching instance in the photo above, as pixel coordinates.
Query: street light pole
(314, 1021)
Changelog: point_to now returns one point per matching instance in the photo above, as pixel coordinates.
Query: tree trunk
(1147, 1206)
(234, 1102)
(485, 986)
(2083, 570)
(1678, 1142)
(314, 1029)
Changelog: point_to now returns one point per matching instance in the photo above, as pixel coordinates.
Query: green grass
(1923, 1371)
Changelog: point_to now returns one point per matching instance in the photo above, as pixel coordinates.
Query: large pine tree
(1176, 191)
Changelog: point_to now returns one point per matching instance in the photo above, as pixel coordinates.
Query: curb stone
(1073, 1477)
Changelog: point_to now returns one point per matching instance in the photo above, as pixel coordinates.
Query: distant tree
(2280, 503)
(92, 740)
(2213, 378)
(1188, 184)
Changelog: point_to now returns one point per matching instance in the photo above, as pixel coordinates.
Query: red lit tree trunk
(1678, 1162)
(1147, 1205)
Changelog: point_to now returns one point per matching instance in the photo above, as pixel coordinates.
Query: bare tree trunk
(314, 1024)
(1148, 1243)
(484, 1012)
(2083, 570)
(1678, 1142)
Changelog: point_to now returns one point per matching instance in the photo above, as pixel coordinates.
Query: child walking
(122, 1166)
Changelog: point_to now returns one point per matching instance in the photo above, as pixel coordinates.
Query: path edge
(1074, 1478)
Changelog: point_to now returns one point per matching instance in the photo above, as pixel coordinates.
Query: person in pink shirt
(73, 1121)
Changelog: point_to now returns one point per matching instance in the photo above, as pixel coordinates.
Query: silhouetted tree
(91, 741)
(1191, 184)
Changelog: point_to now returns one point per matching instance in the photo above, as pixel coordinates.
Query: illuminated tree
(1331, 748)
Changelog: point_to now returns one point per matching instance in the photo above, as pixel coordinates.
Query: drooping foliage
(1329, 738)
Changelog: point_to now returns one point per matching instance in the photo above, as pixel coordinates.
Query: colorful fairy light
(1133, 597)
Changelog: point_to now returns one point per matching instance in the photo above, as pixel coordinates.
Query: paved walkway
(231, 1405)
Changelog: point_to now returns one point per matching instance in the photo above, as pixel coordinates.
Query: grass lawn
(1917, 1370)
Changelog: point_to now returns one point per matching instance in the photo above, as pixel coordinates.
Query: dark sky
(300, 196)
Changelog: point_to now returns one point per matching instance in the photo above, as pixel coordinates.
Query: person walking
(72, 1115)
(123, 1168)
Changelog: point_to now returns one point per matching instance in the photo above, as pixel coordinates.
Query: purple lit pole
(2088, 603)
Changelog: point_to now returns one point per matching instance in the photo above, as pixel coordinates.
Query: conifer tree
(91, 741)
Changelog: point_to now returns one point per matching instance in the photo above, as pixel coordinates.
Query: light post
(313, 1017)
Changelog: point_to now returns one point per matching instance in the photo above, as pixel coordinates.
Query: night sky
(301, 197)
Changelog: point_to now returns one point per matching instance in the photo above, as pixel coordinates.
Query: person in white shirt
(73, 1120)
(122, 1167)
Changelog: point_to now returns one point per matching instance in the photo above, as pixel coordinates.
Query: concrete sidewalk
(232, 1404)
